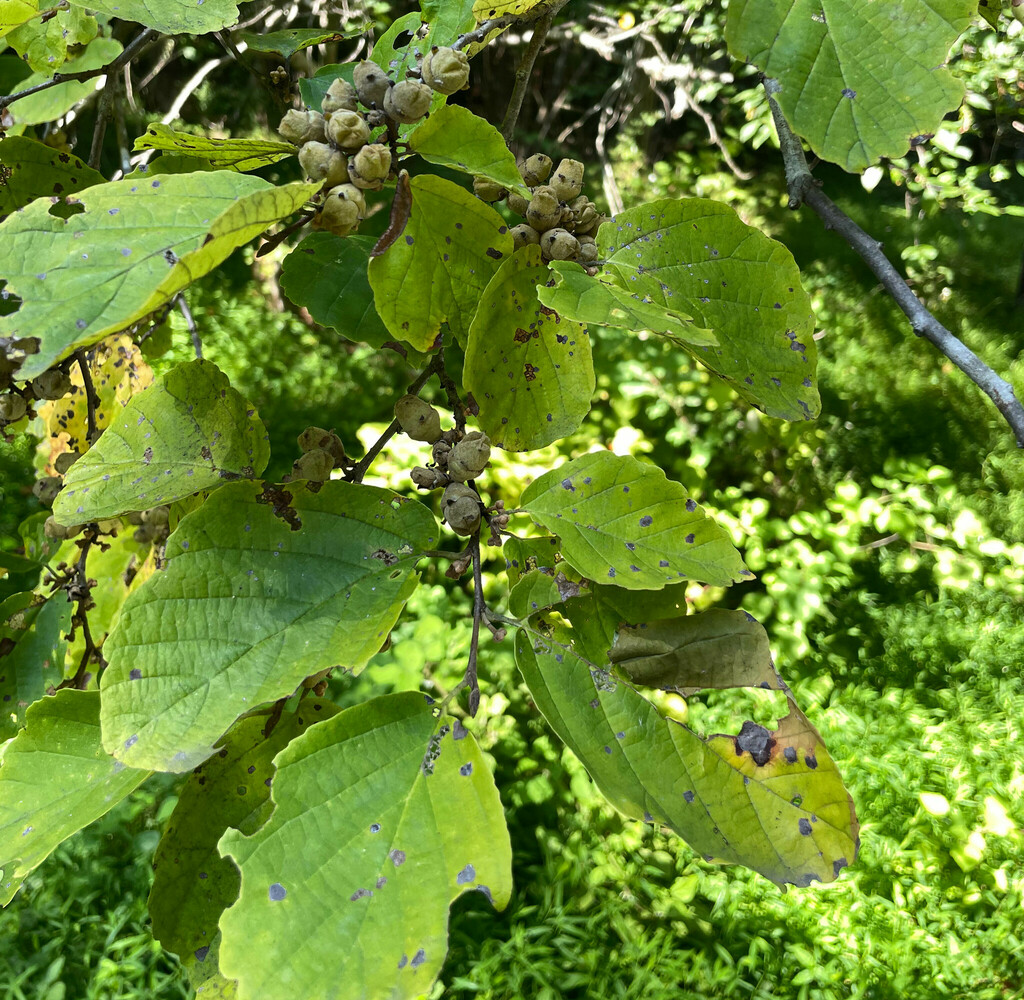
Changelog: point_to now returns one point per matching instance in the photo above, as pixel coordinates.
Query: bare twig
(804, 190)
(356, 473)
(104, 114)
(190, 322)
(524, 71)
(273, 242)
(91, 399)
(479, 610)
(79, 590)
(481, 31)
(130, 52)
(451, 391)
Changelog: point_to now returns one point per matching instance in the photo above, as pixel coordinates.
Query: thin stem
(451, 391)
(104, 114)
(356, 473)
(130, 52)
(804, 190)
(91, 399)
(480, 33)
(479, 610)
(523, 72)
(272, 242)
(193, 330)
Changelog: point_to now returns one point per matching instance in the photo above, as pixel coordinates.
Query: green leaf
(622, 521)
(55, 102)
(736, 282)
(598, 300)
(530, 369)
(44, 44)
(446, 20)
(187, 432)
(534, 591)
(172, 17)
(97, 272)
(436, 271)
(224, 154)
(291, 40)
(32, 645)
(525, 554)
(193, 884)
(14, 13)
(328, 275)
(859, 80)
(771, 800)
(263, 587)
(455, 137)
(484, 10)
(30, 170)
(55, 779)
(383, 815)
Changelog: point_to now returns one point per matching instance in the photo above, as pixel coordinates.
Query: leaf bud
(12, 407)
(64, 461)
(567, 179)
(524, 235)
(460, 506)
(59, 532)
(315, 465)
(348, 130)
(370, 167)
(445, 70)
(428, 479)
(47, 488)
(517, 203)
(557, 244)
(302, 126)
(535, 169)
(340, 96)
(588, 253)
(408, 101)
(487, 190)
(470, 456)
(52, 384)
(371, 83)
(544, 212)
(418, 419)
(315, 159)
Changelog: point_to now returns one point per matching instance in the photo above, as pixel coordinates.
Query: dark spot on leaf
(811, 761)
(277, 892)
(403, 961)
(381, 882)
(790, 754)
(135, 674)
(837, 866)
(491, 252)
(805, 826)
(466, 769)
(646, 521)
(375, 828)
(201, 953)
(459, 731)
(360, 894)
(691, 505)
(467, 875)
(131, 741)
(689, 538)
(688, 796)
(397, 857)
(755, 740)
(851, 94)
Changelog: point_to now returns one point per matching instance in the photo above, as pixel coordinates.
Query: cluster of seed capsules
(335, 142)
(559, 218)
(458, 458)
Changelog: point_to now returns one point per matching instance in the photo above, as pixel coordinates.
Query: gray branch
(803, 189)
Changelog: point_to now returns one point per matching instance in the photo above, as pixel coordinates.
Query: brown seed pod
(47, 488)
(544, 211)
(535, 169)
(340, 96)
(315, 465)
(567, 179)
(418, 419)
(52, 384)
(470, 456)
(445, 70)
(370, 167)
(428, 479)
(371, 83)
(408, 101)
(557, 244)
(303, 126)
(524, 235)
(12, 407)
(460, 506)
(348, 130)
(64, 461)
(517, 203)
(487, 190)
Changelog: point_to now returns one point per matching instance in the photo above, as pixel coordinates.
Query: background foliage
(885, 536)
